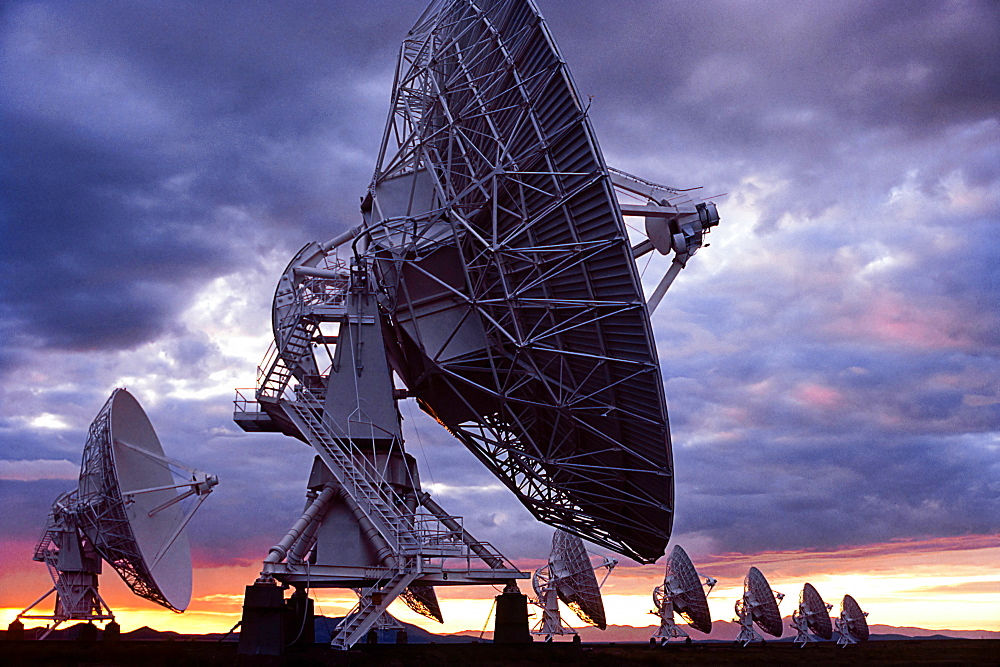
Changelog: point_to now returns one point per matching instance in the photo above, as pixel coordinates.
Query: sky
(831, 362)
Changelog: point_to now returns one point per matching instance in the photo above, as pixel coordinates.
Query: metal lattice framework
(77, 597)
(102, 519)
(812, 615)
(759, 605)
(516, 313)
(102, 511)
(684, 590)
(573, 576)
(569, 576)
(853, 622)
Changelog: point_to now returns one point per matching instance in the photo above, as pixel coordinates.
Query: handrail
(396, 523)
(241, 403)
(358, 457)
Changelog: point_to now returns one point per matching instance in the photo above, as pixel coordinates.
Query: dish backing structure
(853, 623)
(569, 577)
(812, 616)
(129, 510)
(759, 605)
(682, 592)
(492, 274)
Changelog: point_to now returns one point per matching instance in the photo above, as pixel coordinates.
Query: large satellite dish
(759, 605)
(570, 577)
(682, 592)
(812, 616)
(853, 623)
(129, 510)
(513, 305)
(493, 276)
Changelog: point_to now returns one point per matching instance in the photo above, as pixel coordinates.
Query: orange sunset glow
(937, 584)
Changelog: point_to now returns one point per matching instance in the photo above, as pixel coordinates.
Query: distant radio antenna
(813, 615)
(853, 623)
(759, 605)
(126, 509)
(683, 592)
(569, 576)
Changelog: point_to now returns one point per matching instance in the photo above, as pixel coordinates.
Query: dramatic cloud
(26, 471)
(831, 361)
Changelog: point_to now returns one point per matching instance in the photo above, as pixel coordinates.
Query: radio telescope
(569, 576)
(682, 592)
(853, 623)
(759, 605)
(493, 275)
(813, 615)
(127, 509)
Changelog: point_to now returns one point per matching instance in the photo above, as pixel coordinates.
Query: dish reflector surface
(857, 624)
(817, 615)
(763, 605)
(513, 304)
(686, 591)
(576, 584)
(118, 523)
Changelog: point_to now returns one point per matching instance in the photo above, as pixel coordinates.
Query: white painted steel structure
(812, 616)
(129, 510)
(493, 275)
(569, 576)
(367, 524)
(759, 605)
(852, 624)
(682, 592)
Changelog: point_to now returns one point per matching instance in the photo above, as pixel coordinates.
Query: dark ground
(196, 653)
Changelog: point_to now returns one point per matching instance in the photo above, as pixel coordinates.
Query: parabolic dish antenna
(493, 276)
(813, 615)
(682, 592)
(759, 605)
(570, 577)
(512, 301)
(853, 623)
(127, 509)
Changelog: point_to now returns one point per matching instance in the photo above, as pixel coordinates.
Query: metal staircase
(411, 540)
(291, 351)
(370, 607)
(354, 474)
(295, 346)
(42, 548)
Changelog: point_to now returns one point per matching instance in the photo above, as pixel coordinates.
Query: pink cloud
(818, 396)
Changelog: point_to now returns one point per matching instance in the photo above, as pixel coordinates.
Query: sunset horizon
(900, 584)
(192, 202)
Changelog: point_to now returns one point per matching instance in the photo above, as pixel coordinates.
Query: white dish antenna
(683, 592)
(812, 616)
(569, 576)
(128, 510)
(759, 605)
(853, 623)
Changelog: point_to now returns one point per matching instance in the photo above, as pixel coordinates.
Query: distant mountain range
(323, 627)
(725, 631)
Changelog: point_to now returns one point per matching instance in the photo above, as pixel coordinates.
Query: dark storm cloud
(766, 74)
(824, 492)
(26, 508)
(132, 131)
(832, 380)
(830, 362)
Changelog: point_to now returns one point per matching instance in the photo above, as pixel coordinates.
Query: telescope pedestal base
(512, 618)
(262, 630)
